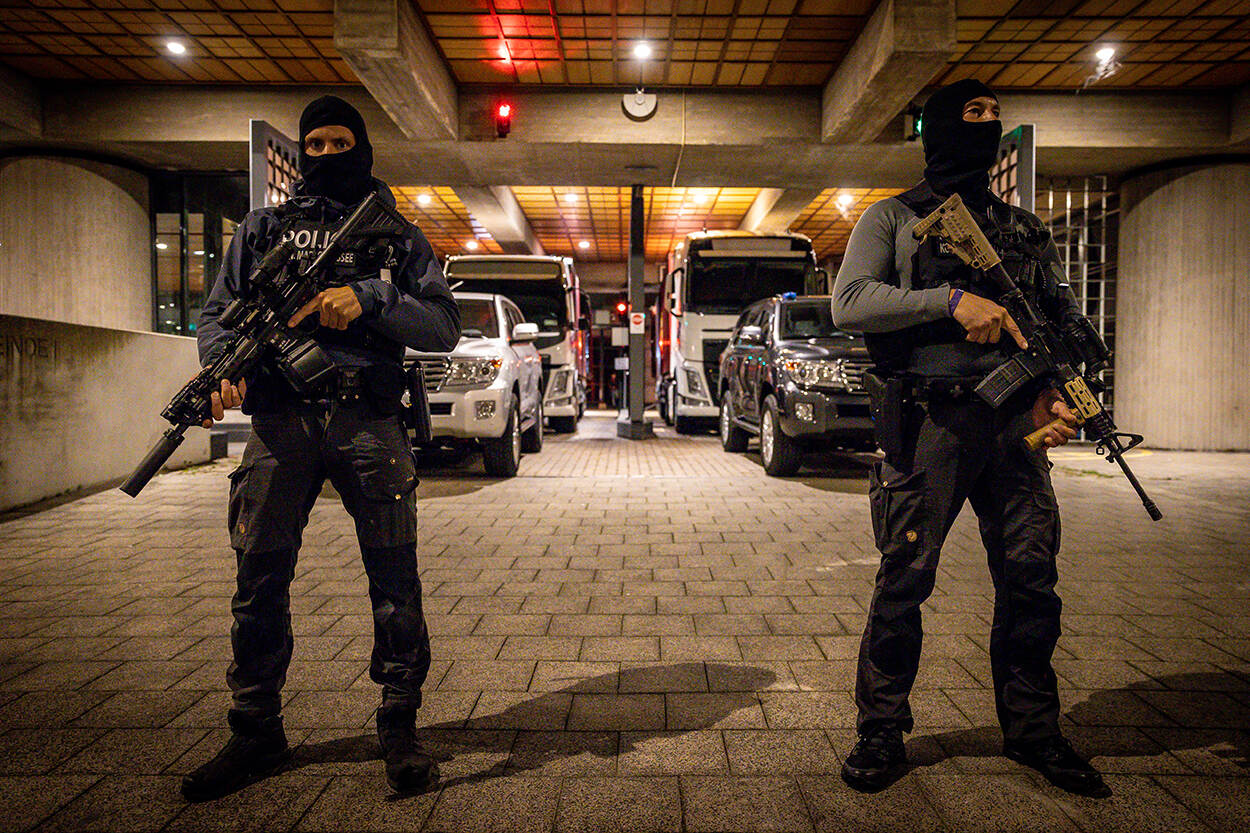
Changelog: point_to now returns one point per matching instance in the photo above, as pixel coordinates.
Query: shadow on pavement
(1171, 713)
(617, 696)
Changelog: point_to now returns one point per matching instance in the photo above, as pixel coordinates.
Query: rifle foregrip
(151, 464)
(1035, 441)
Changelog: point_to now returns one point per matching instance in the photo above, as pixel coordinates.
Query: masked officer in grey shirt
(934, 331)
(351, 432)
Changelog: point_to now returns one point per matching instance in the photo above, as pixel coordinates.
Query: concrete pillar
(1183, 307)
(75, 242)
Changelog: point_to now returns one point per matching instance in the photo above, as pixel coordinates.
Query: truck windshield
(809, 320)
(536, 287)
(477, 318)
(725, 285)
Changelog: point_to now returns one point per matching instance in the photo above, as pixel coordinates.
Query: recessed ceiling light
(471, 245)
(584, 244)
(424, 199)
(162, 246)
(699, 197)
(198, 252)
(845, 200)
(642, 50)
(1105, 54)
(176, 47)
(504, 54)
(570, 197)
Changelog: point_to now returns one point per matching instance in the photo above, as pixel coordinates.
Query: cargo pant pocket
(388, 508)
(896, 499)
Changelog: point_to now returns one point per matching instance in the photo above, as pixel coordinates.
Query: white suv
(488, 390)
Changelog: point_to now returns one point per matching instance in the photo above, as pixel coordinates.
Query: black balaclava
(345, 177)
(958, 154)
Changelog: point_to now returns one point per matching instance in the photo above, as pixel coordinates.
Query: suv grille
(854, 370)
(435, 371)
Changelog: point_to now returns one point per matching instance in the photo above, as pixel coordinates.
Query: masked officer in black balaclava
(934, 331)
(351, 432)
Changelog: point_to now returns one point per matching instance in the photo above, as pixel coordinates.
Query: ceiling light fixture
(424, 199)
(642, 50)
(1106, 67)
(570, 197)
(584, 244)
(504, 54)
(845, 200)
(162, 246)
(176, 47)
(471, 245)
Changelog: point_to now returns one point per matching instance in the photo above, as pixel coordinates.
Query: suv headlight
(810, 373)
(472, 372)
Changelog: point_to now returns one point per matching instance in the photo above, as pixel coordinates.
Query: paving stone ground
(646, 636)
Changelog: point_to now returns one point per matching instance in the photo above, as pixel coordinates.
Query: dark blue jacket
(415, 309)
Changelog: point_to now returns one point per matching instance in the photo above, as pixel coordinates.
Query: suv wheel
(502, 455)
(732, 437)
(532, 440)
(781, 454)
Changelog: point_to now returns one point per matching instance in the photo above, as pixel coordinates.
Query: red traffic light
(503, 119)
(621, 306)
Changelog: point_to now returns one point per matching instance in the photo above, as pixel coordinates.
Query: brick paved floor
(628, 636)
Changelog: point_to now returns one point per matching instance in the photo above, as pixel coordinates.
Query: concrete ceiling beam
(1121, 120)
(389, 49)
(1239, 117)
(776, 209)
(21, 106)
(497, 210)
(904, 45)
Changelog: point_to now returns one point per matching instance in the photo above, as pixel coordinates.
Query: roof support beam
(387, 46)
(21, 107)
(775, 209)
(1239, 116)
(498, 211)
(903, 46)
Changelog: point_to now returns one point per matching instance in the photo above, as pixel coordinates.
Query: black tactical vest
(1016, 235)
(310, 226)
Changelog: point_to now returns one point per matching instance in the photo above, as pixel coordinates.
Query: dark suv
(794, 379)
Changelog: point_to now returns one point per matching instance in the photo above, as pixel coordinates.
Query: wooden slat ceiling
(1011, 44)
(564, 217)
(444, 219)
(227, 41)
(829, 218)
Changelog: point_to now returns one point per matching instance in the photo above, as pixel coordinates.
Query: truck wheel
(532, 440)
(781, 453)
(502, 455)
(669, 406)
(732, 438)
(563, 424)
(685, 425)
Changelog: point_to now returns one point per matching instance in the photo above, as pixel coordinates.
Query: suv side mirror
(524, 332)
(674, 298)
(751, 334)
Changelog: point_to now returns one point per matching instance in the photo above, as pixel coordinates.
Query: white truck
(709, 278)
(548, 291)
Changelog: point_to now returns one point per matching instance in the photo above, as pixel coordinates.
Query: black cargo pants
(367, 458)
(956, 450)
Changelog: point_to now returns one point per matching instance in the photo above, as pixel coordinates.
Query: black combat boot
(877, 760)
(409, 768)
(1055, 758)
(256, 749)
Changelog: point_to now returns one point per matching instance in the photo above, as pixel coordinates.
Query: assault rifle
(278, 287)
(1053, 353)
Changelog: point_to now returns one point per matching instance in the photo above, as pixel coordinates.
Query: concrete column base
(633, 430)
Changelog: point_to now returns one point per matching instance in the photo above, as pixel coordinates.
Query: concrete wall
(80, 406)
(75, 242)
(1183, 311)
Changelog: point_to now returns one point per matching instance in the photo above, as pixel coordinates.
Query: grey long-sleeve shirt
(880, 246)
